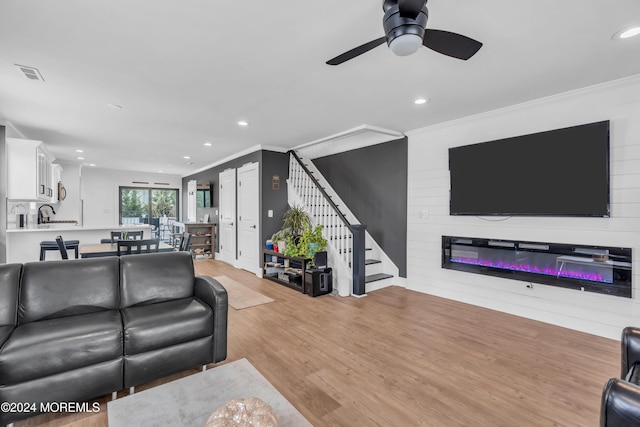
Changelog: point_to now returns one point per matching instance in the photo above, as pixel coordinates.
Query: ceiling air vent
(30, 72)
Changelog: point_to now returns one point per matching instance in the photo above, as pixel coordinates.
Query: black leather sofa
(620, 405)
(74, 330)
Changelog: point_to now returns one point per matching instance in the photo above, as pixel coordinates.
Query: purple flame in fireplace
(528, 268)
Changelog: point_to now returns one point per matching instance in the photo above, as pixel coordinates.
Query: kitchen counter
(71, 227)
(23, 244)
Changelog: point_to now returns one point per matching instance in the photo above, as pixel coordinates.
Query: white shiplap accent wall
(428, 188)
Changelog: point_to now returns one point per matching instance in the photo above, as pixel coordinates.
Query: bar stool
(52, 245)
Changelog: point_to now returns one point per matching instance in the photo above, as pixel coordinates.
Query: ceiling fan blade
(410, 8)
(356, 51)
(451, 44)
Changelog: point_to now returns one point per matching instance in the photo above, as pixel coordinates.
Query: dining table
(111, 249)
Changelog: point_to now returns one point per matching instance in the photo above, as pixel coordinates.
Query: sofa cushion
(5, 332)
(164, 324)
(48, 347)
(9, 284)
(157, 277)
(633, 376)
(69, 287)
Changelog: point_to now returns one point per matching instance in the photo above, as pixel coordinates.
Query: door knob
(253, 226)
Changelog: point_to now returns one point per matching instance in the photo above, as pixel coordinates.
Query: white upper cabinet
(29, 171)
(56, 179)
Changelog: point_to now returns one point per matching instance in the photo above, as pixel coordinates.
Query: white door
(227, 220)
(248, 217)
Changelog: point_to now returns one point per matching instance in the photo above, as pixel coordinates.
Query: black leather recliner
(79, 329)
(630, 350)
(620, 406)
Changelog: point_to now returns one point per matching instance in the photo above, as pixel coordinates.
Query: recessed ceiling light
(207, 144)
(243, 123)
(186, 157)
(420, 101)
(92, 164)
(80, 158)
(627, 33)
(79, 151)
(115, 106)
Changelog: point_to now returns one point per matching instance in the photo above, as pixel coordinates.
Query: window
(155, 206)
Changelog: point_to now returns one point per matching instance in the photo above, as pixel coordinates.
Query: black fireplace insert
(600, 269)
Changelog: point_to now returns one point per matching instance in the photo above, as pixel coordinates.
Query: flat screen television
(562, 172)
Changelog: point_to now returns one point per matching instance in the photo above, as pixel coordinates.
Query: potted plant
(295, 220)
(311, 241)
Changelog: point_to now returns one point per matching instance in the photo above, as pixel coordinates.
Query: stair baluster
(336, 228)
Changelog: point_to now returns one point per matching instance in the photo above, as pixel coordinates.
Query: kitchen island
(23, 244)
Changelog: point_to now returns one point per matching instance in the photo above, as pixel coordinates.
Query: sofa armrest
(620, 406)
(212, 293)
(630, 343)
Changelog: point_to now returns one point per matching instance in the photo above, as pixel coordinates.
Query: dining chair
(155, 227)
(185, 242)
(141, 246)
(119, 235)
(52, 245)
(62, 247)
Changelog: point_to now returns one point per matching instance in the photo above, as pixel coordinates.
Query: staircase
(359, 264)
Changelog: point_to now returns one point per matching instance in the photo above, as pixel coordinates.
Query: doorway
(248, 217)
(227, 219)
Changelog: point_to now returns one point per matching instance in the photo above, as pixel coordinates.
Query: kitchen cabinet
(29, 170)
(56, 179)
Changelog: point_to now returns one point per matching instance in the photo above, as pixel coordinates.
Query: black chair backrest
(620, 404)
(185, 242)
(142, 246)
(119, 235)
(63, 249)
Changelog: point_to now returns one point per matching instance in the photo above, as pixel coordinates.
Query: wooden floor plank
(402, 358)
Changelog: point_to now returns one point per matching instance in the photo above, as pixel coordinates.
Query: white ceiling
(186, 71)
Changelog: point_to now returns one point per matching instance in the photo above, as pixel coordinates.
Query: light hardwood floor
(402, 358)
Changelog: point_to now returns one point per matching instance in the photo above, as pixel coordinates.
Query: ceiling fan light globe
(406, 44)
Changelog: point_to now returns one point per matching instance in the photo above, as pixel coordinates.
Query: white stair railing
(304, 190)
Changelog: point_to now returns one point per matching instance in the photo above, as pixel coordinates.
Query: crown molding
(352, 139)
(622, 83)
(252, 149)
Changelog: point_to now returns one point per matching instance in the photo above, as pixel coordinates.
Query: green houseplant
(295, 220)
(311, 241)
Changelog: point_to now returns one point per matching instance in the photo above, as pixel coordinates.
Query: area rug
(241, 296)
(189, 401)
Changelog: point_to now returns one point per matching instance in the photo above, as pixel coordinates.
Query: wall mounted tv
(563, 172)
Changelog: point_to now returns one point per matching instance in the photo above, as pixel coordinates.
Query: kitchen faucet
(41, 216)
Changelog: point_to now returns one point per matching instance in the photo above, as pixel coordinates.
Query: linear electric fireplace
(601, 269)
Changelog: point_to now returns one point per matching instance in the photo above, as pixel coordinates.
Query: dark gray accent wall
(372, 181)
(271, 163)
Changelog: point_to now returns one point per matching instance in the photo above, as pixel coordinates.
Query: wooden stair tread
(378, 276)
(371, 261)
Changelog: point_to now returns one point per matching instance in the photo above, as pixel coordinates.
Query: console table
(285, 270)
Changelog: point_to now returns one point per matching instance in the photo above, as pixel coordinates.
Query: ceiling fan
(404, 24)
